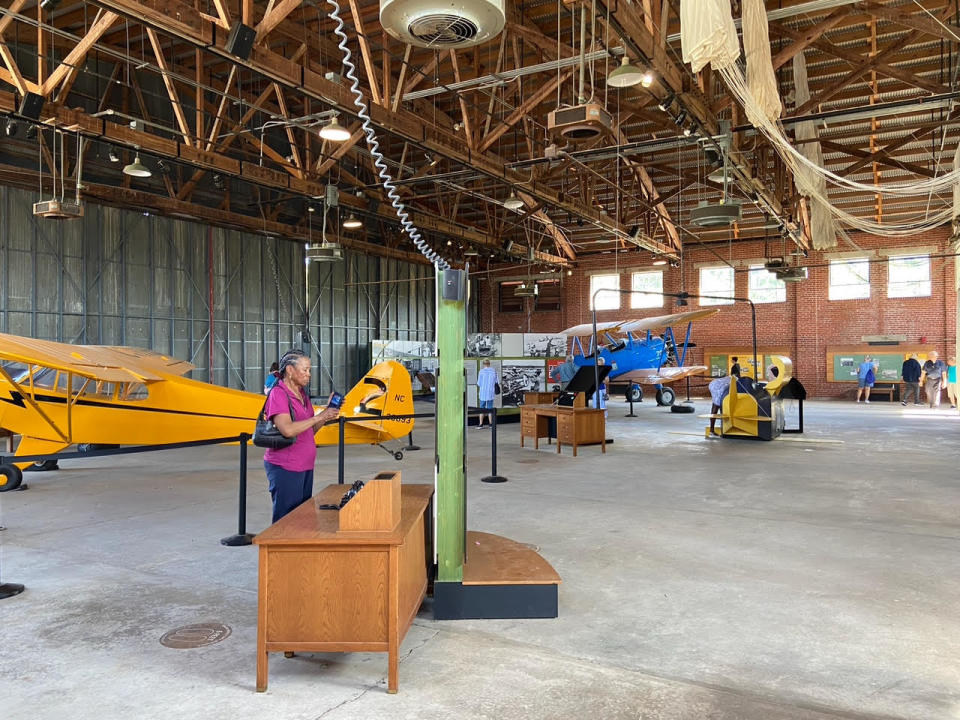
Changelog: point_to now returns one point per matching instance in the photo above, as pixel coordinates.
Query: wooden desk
(545, 398)
(575, 426)
(323, 589)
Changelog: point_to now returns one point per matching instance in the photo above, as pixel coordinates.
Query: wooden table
(575, 426)
(545, 398)
(323, 589)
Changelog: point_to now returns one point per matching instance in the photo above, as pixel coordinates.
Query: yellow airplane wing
(109, 364)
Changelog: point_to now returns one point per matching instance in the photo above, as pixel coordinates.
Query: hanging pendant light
(352, 222)
(137, 168)
(628, 75)
(334, 131)
(513, 202)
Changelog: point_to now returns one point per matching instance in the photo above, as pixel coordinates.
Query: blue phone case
(336, 400)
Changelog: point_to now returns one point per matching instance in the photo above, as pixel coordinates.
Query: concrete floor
(702, 579)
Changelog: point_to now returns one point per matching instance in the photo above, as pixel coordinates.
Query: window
(651, 281)
(549, 296)
(849, 279)
(765, 287)
(605, 300)
(508, 301)
(16, 370)
(99, 388)
(717, 281)
(133, 391)
(908, 276)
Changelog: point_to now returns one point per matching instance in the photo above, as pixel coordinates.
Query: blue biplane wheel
(665, 397)
(10, 477)
(634, 393)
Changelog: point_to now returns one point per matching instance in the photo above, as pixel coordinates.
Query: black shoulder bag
(268, 435)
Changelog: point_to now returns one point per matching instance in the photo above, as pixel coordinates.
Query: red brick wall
(807, 322)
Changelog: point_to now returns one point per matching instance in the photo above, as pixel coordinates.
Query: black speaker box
(31, 106)
(240, 40)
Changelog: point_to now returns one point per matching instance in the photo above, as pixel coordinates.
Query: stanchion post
(410, 446)
(493, 477)
(242, 537)
(630, 414)
(340, 455)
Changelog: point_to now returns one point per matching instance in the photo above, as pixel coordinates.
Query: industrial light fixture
(137, 168)
(681, 117)
(49, 5)
(11, 128)
(659, 261)
(666, 102)
(431, 160)
(471, 251)
(352, 222)
(113, 156)
(513, 202)
(627, 75)
(647, 79)
(334, 131)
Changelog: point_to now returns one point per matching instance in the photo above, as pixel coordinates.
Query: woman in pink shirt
(290, 470)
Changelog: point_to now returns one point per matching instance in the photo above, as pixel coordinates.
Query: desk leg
(262, 657)
(521, 438)
(393, 621)
(536, 441)
(603, 443)
(574, 448)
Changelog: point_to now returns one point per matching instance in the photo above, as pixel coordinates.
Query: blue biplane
(637, 356)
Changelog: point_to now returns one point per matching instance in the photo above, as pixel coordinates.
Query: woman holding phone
(290, 469)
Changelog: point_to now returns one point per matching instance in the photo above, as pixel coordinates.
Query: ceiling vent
(62, 209)
(528, 288)
(441, 23)
(785, 272)
(325, 252)
(579, 123)
(712, 215)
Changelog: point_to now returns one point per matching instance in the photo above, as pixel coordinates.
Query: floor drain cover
(535, 548)
(527, 461)
(194, 636)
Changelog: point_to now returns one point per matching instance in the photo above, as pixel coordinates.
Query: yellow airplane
(54, 395)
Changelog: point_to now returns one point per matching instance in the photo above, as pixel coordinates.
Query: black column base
(237, 540)
(10, 589)
(493, 479)
(456, 601)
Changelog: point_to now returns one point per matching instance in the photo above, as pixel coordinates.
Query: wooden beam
(101, 24)
(274, 17)
(171, 88)
(366, 55)
(464, 110)
(223, 13)
(532, 101)
(403, 75)
(282, 103)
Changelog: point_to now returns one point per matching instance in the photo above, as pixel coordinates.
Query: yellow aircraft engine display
(753, 411)
(54, 395)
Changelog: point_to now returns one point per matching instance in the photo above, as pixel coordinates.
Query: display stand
(345, 581)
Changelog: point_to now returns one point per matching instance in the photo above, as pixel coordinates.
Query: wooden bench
(890, 390)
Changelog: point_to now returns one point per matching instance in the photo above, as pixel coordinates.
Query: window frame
(839, 262)
(638, 301)
(612, 298)
(779, 286)
(702, 291)
(891, 283)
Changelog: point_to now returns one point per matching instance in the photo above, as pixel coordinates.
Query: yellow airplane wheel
(10, 477)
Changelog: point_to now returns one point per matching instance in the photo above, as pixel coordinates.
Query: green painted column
(451, 388)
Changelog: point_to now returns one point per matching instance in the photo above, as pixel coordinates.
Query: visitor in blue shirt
(866, 376)
(934, 374)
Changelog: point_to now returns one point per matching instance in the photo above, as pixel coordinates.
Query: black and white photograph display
(544, 345)
(483, 345)
(519, 377)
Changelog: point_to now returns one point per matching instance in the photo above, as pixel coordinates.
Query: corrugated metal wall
(118, 277)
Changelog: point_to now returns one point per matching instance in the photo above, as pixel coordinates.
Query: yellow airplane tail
(382, 392)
